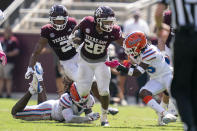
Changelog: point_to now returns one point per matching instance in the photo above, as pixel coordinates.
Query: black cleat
(105, 123)
(113, 111)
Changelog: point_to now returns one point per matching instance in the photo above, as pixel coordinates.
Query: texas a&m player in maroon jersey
(95, 34)
(56, 35)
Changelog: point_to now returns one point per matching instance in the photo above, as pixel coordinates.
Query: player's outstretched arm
(71, 118)
(37, 50)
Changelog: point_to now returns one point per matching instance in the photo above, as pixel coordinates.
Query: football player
(148, 59)
(56, 35)
(3, 58)
(68, 108)
(94, 34)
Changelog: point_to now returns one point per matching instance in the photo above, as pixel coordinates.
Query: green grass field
(131, 118)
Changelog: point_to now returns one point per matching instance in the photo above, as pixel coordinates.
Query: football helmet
(104, 17)
(135, 43)
(58, 12)
(79, 101)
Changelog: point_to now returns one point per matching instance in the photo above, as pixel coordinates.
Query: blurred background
(24, 19)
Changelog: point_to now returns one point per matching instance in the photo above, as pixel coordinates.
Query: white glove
(74, 39)
(1, 15)
(29, 73)
(94, 116)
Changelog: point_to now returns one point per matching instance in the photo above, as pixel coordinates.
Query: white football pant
(86, 73)
(36, 112)
(71, 67)
(159, 84)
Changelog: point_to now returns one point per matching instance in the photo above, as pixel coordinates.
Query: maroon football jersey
(95, 44)
(58, 40)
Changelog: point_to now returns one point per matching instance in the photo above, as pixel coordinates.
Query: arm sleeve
(71, 118)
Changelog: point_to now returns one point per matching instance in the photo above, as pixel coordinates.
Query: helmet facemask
(82, 102)
(106, 24)
(59, 26)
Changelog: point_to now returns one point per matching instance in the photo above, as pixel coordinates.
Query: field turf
(132, 118)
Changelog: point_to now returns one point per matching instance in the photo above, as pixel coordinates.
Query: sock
(104, 115)
(172, 108)
(153, 104)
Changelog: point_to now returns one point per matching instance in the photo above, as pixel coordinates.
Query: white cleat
(160, 122)
(169, 118)
(35, 87)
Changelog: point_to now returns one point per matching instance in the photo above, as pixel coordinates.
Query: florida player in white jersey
(68, 108)
(95, 34)
(147, 59)
(3, 58)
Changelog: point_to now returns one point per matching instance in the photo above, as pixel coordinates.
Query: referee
(184, 83)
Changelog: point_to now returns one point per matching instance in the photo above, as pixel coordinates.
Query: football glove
(3, 58)
(112, 64)
(74, 39)
(117, 65)
(94, 116)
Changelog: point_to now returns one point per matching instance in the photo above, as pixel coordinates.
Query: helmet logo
(98, 12)
(52, 35)
(87, 30)
(135, 41)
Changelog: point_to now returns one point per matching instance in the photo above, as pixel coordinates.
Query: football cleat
(35, 86)
(38, 71)
(160, 122)
(112, 111)
(105, 123)
(169, 118)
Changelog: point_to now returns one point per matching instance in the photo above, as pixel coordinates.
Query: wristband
(139, 68)
(130, 72)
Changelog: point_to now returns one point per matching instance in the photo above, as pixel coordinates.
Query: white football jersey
(156, 61)
(66, 102)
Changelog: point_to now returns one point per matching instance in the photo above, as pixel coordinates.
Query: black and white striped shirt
(184, 12)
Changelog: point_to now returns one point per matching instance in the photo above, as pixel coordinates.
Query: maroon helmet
(58, 12)
(104, 14)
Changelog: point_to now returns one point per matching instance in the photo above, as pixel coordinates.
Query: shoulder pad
(65, 100)
(148, 55)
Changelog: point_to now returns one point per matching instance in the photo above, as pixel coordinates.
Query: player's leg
(84, 77)
(42, 96)
(103, 75)
(151, 88)
(21, 104)
(94, 90)
(165, 99)
(71, 67)
(42, 111)
(35, 87)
